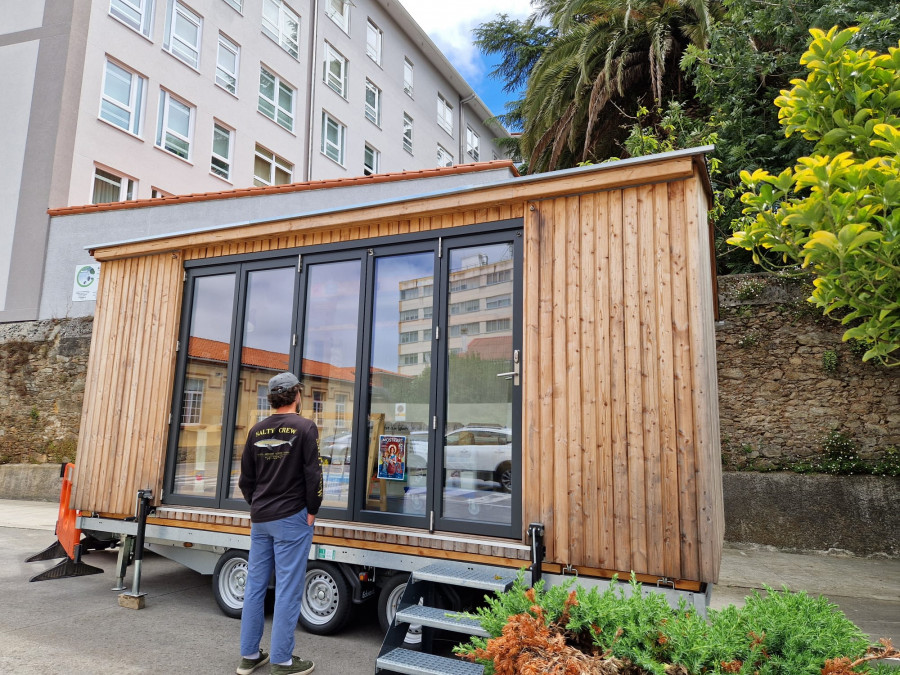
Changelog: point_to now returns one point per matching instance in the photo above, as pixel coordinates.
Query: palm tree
(601, 61)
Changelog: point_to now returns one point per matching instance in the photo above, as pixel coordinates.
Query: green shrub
(774, 633)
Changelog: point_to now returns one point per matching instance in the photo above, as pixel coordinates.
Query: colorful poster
(392, 457)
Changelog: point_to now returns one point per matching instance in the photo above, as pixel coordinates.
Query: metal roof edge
(517, 180)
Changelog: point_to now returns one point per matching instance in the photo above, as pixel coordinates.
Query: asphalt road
(76, 627)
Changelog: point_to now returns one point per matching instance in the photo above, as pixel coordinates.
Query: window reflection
(267, 340)
(477, 447)
(399, 384)
(329, 368)
(203, 398)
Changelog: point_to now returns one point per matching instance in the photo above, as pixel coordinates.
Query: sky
(450, 27)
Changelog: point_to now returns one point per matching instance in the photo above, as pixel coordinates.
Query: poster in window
(392, 457)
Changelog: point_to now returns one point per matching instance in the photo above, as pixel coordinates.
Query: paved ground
(76, 627)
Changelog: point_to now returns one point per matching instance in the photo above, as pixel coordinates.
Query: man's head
(283, 390)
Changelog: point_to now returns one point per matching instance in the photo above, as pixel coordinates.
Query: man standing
(281, 479)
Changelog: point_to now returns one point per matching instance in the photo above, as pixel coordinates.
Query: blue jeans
(282, 546)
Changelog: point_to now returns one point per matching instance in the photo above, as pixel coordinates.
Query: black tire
(388, 599)
(229, 581)
(326, 599)
(503, 476)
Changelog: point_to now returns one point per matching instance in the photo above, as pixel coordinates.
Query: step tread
(437, 617)
(418, 663)
(466, 576)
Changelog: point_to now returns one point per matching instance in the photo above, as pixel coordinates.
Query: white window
(136, 14)
(183, 31)
(409, 360)
(408, 77)
(276, 99)
(409, 315)
(371, 160)
(237, 4)
(109, 187)
(407, 133)
(339, 12)
(497, 325)
(156, 193)
(444, 158)
(227, 59)
(123, 96)
(220, 164)
(498, 301)
(409, 336)
(373, 42)
(334, 70)
(193, 401)
(175, 126)
(472, 143)
(340, 411)
(270, 169)
(262, 402)
(282, 24)
(373, 103)
(333, 133)
(445, 114)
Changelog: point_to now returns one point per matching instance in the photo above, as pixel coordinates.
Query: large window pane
(477, 445)
(329, 368)
(399, 387)
(205, 387)
(265, 352)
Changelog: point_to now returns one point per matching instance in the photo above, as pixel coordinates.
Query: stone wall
(42, 375)
(786, 379)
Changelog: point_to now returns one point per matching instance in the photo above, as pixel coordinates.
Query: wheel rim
(414, 633)
(320, 598)
(506, 480)
(233, 581)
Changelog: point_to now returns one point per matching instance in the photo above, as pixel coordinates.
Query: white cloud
(450, 25)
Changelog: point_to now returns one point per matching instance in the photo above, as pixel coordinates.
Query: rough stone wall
(42, 376)
(781, 393)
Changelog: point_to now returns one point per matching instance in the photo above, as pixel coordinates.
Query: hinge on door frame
(294, 340)
(437, 333)
(440, 247)
(434, 422)
(299, 262)
(170, 419)
(431, 522)
(177, 346)
(184, 278)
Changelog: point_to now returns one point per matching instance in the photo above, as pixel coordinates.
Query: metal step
(418, 663)
(441, 618)
(458, 575)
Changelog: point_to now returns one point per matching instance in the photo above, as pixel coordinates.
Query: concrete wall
(855, 514)
(32, 482)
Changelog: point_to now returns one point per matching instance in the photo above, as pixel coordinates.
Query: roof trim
(290, 187)
(695, 154)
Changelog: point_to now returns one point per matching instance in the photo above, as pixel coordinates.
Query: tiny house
(484, 360)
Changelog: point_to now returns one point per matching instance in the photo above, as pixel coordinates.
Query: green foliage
(776, 633)
(837, 212)
(829, 361)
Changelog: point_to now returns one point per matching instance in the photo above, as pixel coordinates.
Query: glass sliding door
(204, 390)
(478, 456)
(399, 384)
(329, 367)
(265, 351)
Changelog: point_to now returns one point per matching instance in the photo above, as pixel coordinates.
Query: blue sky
(450, 26)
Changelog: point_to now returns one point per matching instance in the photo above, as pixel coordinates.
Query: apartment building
(110, 100)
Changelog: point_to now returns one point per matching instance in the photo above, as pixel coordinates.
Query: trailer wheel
(229, 581)
(388, 600)
(326, 601)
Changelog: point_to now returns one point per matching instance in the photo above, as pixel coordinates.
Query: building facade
(114, 100)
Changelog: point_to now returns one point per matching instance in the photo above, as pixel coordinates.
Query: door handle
(515, 372)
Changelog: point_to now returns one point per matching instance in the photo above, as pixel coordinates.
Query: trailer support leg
(126, 546)
(135, 599)
(536, 537)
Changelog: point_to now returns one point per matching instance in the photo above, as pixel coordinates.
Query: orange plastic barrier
(69, 535)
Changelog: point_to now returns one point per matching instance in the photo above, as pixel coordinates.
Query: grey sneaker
(297, 667)
(247, 666)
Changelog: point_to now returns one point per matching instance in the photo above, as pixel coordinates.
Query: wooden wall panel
(121, 446)
(620, 383)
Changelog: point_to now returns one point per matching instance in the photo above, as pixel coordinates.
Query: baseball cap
(283, 382)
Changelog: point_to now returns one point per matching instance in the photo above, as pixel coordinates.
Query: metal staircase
(422, 586)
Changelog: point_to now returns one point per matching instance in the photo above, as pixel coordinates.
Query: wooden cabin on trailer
(478, 359)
